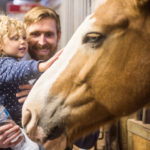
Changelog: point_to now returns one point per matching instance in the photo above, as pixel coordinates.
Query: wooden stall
(138, 135)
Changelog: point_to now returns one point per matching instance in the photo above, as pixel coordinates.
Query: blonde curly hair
(8, 27)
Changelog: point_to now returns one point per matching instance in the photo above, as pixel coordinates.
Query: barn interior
(128, 133)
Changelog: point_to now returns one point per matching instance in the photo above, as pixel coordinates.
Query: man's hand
(23, 94)
(8, 133)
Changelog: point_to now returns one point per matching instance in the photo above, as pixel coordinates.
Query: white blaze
(39, 93)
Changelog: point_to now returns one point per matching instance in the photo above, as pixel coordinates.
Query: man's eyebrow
(40, 32)
(34, 32)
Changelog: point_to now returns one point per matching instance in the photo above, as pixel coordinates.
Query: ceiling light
(20, 2)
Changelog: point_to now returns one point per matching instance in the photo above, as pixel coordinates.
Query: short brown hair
(41, 12)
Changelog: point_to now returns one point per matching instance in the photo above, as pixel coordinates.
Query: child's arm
(43, 66)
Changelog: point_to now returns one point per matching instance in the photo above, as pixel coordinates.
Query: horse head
(102, 74)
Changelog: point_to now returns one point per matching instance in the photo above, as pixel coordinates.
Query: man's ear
(59, 36)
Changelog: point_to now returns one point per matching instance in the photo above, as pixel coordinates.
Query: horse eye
(94, 38)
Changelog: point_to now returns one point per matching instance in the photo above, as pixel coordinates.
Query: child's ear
(1, 52)
(1, 49)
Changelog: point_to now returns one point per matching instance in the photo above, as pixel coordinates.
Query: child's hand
(43, 66)
(55, 57)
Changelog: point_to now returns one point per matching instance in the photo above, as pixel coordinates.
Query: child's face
(15, 45)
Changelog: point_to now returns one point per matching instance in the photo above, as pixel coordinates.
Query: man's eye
(49, 34)
(35, 34)
(94, 38)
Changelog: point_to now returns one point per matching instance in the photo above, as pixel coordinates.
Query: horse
(102, 74)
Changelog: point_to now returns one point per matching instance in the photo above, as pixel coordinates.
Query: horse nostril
(27, 118)
(38, 140)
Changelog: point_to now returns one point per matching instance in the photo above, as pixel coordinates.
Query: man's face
(43, 39)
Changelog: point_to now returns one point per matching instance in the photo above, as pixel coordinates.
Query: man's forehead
(40, 30)
(45, 25)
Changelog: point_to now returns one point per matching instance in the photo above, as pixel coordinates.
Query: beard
(41, 52)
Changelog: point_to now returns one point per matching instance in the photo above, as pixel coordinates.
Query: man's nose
(42, 40)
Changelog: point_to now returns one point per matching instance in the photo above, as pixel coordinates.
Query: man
(43, 32)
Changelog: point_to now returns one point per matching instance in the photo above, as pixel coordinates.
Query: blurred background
(72, 12)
